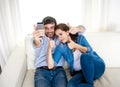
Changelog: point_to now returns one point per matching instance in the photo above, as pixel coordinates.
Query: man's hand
(51, 43)
(37, 35)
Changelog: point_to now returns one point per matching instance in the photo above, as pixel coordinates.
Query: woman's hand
(77, 29)
(71, 44)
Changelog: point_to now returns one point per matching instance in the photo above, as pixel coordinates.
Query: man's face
(49, 30)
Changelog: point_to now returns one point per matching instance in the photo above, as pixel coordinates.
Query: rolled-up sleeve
(37, 49)
(82, 41)
(57, 54)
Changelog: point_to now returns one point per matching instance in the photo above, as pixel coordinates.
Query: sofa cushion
(29, 78)
(110, 78)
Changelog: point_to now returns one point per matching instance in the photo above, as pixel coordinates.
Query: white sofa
(19, 70)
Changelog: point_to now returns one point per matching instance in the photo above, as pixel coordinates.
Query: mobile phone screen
(40, 25)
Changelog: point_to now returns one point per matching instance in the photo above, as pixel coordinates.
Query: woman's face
(62, 36)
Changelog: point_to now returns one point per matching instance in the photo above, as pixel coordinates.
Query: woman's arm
(81, 48)
(83, 41)
(78, 29)
(73, 45)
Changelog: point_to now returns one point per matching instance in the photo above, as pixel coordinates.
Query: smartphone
(40, 25)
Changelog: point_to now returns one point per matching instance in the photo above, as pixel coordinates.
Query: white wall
(94, 14)
(114, 15)
(63, 10)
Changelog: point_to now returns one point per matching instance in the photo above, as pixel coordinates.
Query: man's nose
(49, 30)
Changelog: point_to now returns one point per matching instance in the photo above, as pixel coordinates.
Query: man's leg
(60, 79)
(42, 78)
(76, 80)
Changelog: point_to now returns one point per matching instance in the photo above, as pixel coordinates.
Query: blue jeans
(50, 78)
(93, 68)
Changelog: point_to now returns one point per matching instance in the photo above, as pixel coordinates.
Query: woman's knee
(86, 58)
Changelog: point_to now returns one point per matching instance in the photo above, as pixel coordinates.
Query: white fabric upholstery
(14, 72)
(110, 78)
(29, 51)
(105, 44)
(19, 70)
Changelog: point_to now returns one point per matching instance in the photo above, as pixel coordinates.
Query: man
(44, 75)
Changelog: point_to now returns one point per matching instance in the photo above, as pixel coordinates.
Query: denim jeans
(50, 78)
(93, 68)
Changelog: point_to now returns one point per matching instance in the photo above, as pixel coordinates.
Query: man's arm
(50, 59)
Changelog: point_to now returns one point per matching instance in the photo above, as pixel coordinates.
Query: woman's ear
(67, 32)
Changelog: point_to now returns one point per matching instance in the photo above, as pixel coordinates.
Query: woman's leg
(92, 67)
(99, 67)
(76, 80)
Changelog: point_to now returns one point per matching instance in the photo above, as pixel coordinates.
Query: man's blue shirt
(41, 53)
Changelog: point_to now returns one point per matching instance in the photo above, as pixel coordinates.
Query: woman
(84, 63)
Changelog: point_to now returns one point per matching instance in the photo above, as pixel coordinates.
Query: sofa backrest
(107, 45)
(30, 52)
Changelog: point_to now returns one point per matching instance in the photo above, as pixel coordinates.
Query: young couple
(63, 43)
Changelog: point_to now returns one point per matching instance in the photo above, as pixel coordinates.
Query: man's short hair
(49, 20)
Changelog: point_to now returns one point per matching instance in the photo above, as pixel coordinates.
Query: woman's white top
(77, 55)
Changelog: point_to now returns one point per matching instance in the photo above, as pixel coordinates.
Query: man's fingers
(35, 26)
(52, 43)
(38, 33)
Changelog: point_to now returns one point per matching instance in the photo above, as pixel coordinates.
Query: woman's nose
(60, 38)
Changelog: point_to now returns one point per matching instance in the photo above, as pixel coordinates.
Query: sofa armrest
(14, 71)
